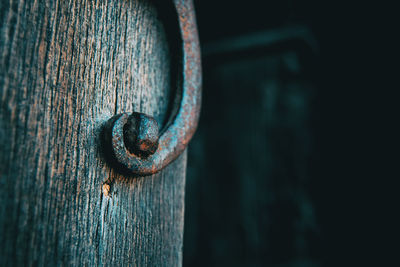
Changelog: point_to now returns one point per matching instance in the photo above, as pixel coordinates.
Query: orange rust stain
(106, 190)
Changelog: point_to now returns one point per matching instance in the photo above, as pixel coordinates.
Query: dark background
(283, 169)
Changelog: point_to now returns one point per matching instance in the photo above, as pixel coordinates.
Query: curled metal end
(140, 134)
(134, 141)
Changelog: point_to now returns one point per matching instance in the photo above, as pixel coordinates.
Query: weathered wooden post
(66, 68)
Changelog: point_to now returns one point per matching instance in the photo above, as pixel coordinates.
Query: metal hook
(134, 139)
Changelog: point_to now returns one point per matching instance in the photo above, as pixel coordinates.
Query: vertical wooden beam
(65, 68)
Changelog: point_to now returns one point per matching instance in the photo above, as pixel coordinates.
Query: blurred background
(268, 167)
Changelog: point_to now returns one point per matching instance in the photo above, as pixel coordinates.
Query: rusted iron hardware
(134, 140)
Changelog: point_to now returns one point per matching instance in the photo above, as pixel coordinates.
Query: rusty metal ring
(134, 139)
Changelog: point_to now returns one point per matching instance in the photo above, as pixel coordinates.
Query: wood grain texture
(66, 67)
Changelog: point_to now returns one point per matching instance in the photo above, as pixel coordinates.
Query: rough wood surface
(66, 67)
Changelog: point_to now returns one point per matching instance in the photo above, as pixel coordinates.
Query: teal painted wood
(66, 67)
